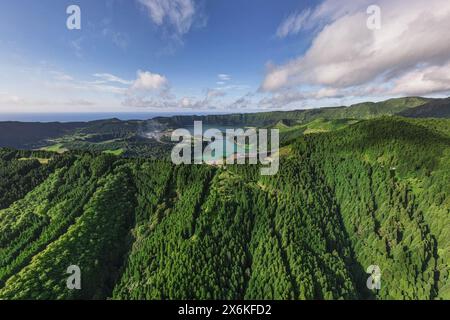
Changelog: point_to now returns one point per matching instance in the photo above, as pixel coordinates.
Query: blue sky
(221, 55)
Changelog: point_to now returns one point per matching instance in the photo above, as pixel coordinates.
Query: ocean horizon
(85, 117)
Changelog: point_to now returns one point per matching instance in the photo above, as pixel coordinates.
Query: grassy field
(41, 160)
(58, 147)
(117, 152)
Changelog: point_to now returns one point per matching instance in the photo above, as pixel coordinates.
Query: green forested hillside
(367, 110)
(348, 195)
(29, 135)
(439, 108)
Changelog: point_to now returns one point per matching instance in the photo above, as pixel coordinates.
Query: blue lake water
(240, 150)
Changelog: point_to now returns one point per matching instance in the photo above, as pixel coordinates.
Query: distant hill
(367, 110)
(36, 135)
(433, 109)
(31, 134)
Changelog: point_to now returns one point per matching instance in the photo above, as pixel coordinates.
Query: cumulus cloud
(207, 102)
(149, 90)
(434, 79)
(178, 15)
(405, 56)
(148, 81)
(153, 91)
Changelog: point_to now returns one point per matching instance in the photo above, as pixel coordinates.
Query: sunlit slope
(390, 180)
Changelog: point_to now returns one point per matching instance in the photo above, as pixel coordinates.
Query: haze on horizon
(219, 56)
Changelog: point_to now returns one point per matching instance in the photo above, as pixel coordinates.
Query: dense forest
(373, 192)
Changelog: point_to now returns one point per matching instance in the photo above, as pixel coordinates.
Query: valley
(350, 193)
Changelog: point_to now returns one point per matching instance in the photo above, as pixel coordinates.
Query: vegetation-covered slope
(439, 108)
(32, 134)
(374, 192)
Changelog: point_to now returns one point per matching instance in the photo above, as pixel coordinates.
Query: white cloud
(149, 90)
(107, 77)
(37, 87)
(407, 53)
(192, 103)
(61, 76)
(208, 101)
(147, 102)
(176, 14)
(282, 99)
(214, 93)
(10, 101)
(86, 86)
(434, 79)
(148, 81)
(162, 103)
(145, 83)
(294, 23)
(224, 77)
(6, 99)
